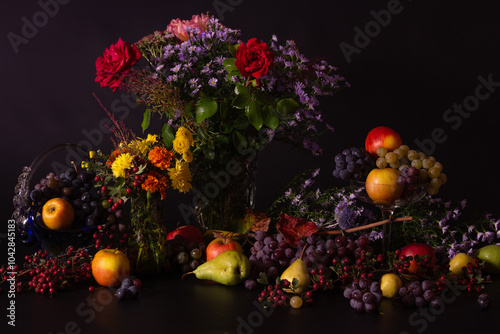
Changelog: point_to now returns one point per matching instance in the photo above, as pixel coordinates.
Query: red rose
(254, 58)
(115, 61)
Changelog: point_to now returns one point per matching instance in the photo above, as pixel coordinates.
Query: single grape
(260, 235)
(403, 291)
(381, 151)
(195, 254)
(434, 172)
(484, 301)
(391, 157)
(427, 163)
(443, 178)
(137, 282)
(121, 294)
(375, 287)
(126, 283)
(289, 253)
(296, 302)
(258, 245)
(381, 163)
(404, 148)
(429, 295)
(357, 295)
(278, 254)
(182, 258)
(250, 284)
(423, 175)
(268, 240)
(439, 166)
(426, 285)
(194, 264)
(357, 305)
(344, 174)
(340, 240)
(412, 155)
(436, 303)
(362, 242)
(368, 298)
(348, 293)
(370, 308)
(133, 292)
(419, 301)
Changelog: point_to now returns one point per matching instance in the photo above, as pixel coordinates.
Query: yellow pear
(299, 271)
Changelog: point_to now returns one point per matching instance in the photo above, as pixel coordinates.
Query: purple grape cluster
(364, 295)
(420, 294)
(353, 163)
(78, 189)
(409, 176)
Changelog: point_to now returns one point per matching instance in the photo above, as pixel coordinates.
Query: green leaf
(241, 123)
(262, 98)
(232, 49)
(209, 153)
(242, 100)
(270, 119)
(231, 74)
(287, 106)
(240, 89)
(167, 132)
(226, 127)
(263, 279)
(205, 108)
(224, 110)
(239, 140)
(146, 119)
(229, 64)
(254, 114)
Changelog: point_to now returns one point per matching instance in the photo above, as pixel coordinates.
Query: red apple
(188, 232)
(382, 185)
(419, 249)
(110, 267)
(382, 136)
(220, 245)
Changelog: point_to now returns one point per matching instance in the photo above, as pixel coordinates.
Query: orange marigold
(112, 157)
(161, 157)
(155, 182)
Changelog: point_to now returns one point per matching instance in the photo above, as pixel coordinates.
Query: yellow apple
(110, 267)
(382, 185)
(57, 213)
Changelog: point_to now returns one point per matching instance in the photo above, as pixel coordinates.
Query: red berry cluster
(321, 278)
(275, 295)
(111, 236)
(472, 276)
(47, 275)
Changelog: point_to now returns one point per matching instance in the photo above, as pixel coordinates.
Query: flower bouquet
(142, 170)
(234, 96)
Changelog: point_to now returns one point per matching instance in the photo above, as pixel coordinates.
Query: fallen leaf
(293, 228)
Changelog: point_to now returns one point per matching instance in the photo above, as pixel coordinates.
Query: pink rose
(180, 27)
(254, 58)
(116, 61)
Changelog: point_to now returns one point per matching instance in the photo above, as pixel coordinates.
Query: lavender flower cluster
(195, 69)
(441, 224)
(330, 209)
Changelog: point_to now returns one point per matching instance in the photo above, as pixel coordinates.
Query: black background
(427, 58)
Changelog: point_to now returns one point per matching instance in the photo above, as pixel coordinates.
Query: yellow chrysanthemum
(139, 146)
(187, 156)
(181, 144)
(180, 176)
(121, 164)
(185, 133)
(161, 157)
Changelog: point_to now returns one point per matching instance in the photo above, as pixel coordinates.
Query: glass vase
(147, 243)
(223, 191)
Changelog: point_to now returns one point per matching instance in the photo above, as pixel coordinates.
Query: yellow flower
(151, 138)
(121, 163)
(180, 176)
(185, 133)
(85, 164)
(181, 144)
(187, 156)
(91, 154)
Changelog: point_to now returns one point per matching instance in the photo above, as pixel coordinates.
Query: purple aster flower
(212, 82)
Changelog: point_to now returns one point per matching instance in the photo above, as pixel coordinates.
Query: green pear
(229, 268)
(299, 271)
(491, 256)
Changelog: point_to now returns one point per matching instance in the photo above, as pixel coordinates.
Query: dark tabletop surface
(174, 305)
